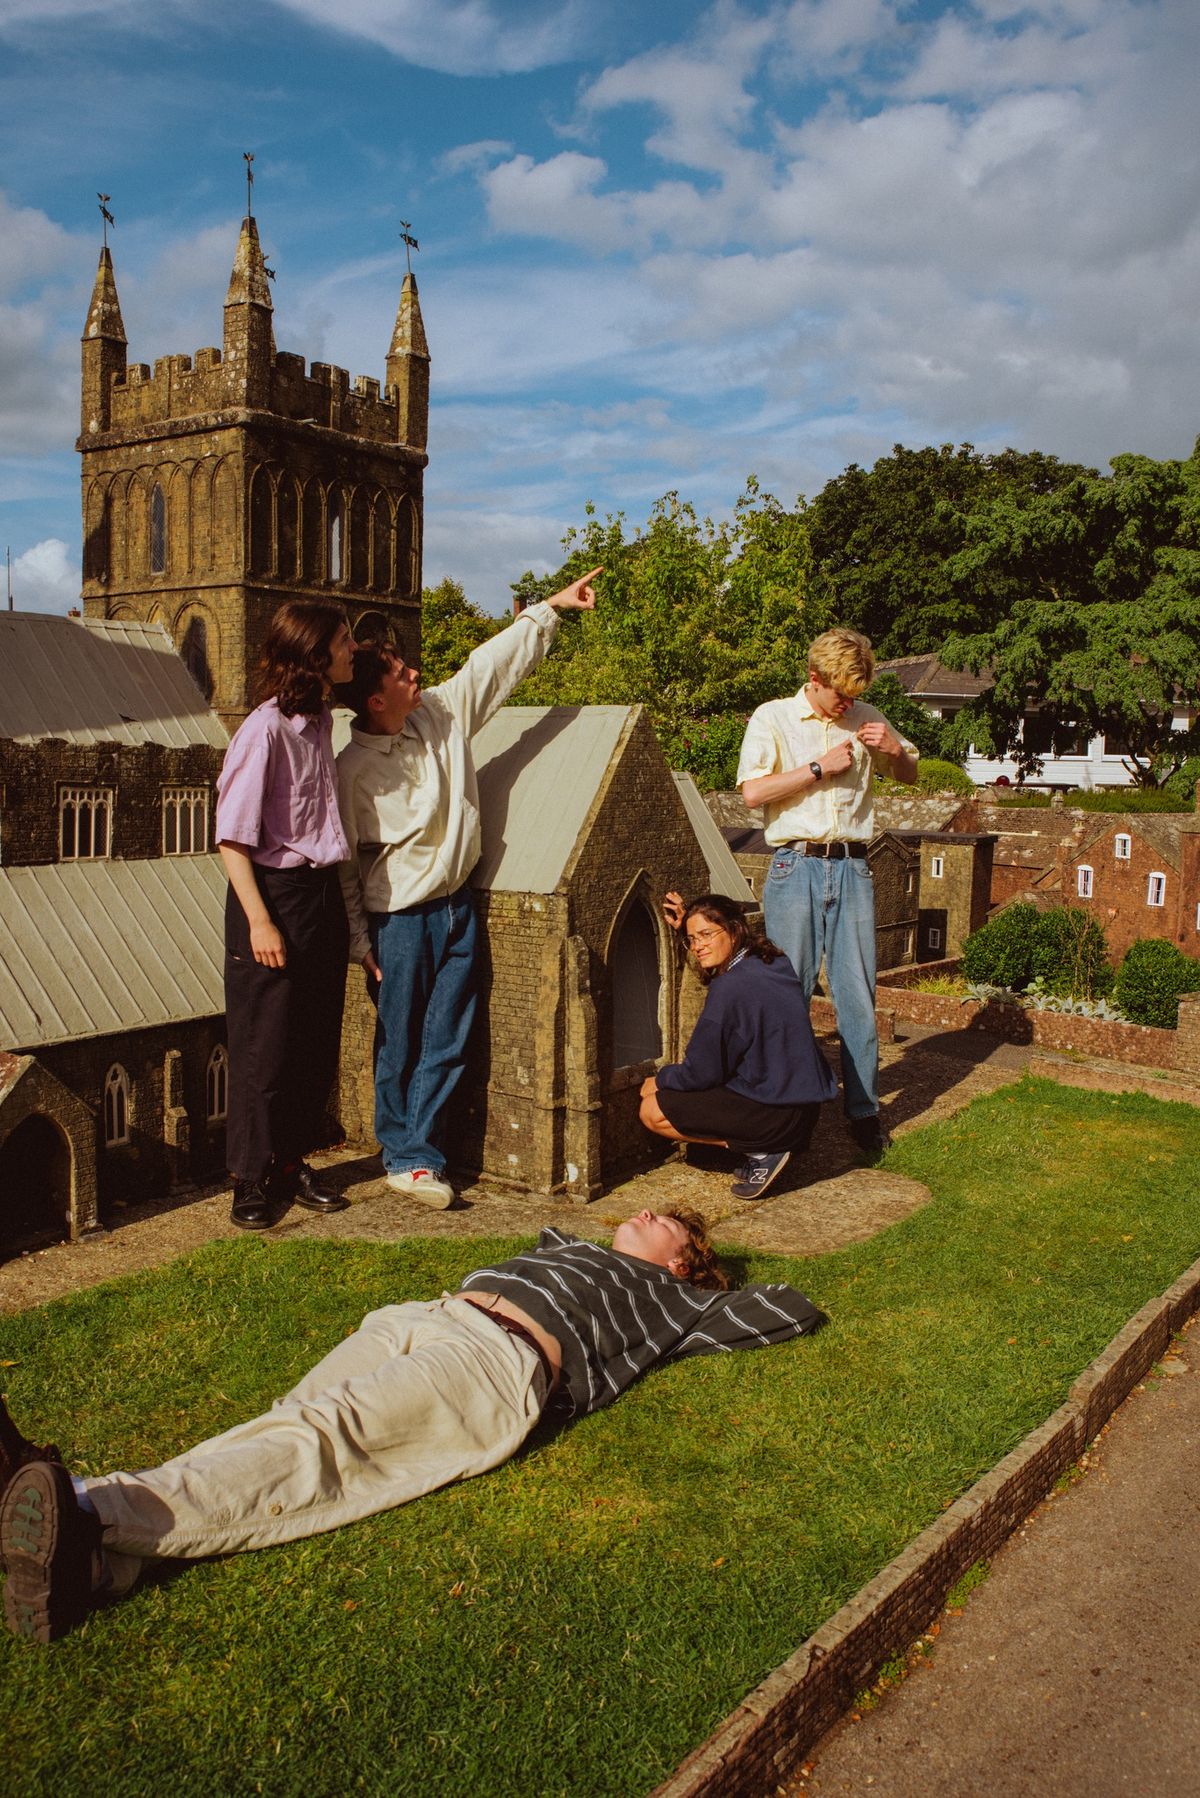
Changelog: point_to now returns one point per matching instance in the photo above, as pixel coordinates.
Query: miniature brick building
(1138, 875)
(231, 480)
(585, 988)
(111, 1024)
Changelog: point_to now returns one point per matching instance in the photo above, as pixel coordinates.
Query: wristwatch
(815, 769)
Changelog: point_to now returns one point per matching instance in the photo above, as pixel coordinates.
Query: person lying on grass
(753, 1078)
(420, 1395)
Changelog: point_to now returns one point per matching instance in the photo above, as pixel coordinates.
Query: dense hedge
(1064, 948)
(1150, 980)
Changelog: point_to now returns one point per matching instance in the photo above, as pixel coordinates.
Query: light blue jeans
(424, 1012)
(815, 908)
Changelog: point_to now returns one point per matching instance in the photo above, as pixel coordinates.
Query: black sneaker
(756, 1174)
(869, 1134)
(46, 1544)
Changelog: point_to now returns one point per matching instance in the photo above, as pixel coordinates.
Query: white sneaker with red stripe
(426, 1187)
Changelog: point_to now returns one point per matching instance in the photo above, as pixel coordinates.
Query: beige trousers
(420, 1395)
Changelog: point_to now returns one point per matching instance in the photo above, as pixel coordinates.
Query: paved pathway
(1074, 1670)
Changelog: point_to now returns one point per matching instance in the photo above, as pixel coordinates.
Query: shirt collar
(371, 739)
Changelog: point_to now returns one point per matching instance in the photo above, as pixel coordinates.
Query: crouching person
(752, 1078)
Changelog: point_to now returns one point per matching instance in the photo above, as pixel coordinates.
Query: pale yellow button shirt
(839, 808)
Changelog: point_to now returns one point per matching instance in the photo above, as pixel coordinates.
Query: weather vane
(248, 158)
(409, 241)
(106, 215)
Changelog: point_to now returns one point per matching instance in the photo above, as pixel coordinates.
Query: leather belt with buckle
(837, 851)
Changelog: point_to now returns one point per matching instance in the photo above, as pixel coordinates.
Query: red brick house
(1139, 876)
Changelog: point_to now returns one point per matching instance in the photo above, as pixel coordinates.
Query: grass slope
(578, 1620)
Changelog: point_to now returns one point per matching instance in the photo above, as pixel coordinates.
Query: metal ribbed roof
(89, 948)
(98, 680)
(540, 768)
(724, 875)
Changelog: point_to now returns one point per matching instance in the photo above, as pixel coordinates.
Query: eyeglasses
(704, 936)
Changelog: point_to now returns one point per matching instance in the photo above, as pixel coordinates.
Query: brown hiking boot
(46, 1545)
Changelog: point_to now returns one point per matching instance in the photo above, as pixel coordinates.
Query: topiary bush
(1070, 955)
(1001, 953)
(934, 776)
(1150, 980)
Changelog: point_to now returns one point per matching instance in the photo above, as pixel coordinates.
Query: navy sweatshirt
(754, 1037)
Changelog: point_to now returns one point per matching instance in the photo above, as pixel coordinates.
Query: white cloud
(32, 246)
(458, 37)
(46, 578)
(471, 157)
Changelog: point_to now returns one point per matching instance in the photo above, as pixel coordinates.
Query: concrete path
(1074, 1669)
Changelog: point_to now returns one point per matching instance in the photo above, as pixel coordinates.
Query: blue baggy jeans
(815, 908)
(425, 1007)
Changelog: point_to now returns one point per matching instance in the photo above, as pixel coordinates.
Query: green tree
(906, 714)
(699, 621)
(1104, 633)
(882, 540)
(451, 627)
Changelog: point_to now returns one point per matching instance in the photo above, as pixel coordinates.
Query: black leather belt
(837, 852)
(504, 1322)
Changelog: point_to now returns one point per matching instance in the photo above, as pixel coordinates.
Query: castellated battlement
(190, 386)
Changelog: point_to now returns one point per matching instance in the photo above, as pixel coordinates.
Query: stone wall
(32, 773)
(160, 1154)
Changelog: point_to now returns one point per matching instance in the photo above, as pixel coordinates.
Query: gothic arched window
(158, 531)
(217, 1085)
(335, 537)
(636, 981)
(116, 1106)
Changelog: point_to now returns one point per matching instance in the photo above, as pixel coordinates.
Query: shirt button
(276, 1510)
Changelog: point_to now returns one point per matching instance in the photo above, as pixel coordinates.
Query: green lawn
(577, 1621)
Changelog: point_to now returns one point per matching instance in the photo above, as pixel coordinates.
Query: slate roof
(724, 875)
(1163, 831)
(925, 677)
(93, 948)
(540, 769)
(98, 680)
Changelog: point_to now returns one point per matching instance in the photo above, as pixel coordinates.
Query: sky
(663, 245)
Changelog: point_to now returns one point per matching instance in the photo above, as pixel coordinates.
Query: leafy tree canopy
(882, 539)
(451, 627)
(1102, 632)
(701, 622)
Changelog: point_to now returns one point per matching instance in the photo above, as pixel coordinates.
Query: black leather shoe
(251, 1205)
(309, 1191)
(870, 1135)
(17, 1451)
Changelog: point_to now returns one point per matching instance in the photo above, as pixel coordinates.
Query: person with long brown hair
(286, 938)
(752, 1078)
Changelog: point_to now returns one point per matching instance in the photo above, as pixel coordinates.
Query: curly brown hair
(701, 1267)
(728, 914)
(295, 657)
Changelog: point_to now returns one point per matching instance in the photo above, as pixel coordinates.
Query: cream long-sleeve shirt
(788, 733)
(410, 803)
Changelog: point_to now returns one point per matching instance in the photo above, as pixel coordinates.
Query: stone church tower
(228, 481)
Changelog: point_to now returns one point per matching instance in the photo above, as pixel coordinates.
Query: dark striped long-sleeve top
(616, 1316)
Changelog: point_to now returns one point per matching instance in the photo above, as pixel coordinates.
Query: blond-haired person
(808, 761)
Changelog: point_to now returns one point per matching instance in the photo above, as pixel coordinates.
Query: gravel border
(768, 1737)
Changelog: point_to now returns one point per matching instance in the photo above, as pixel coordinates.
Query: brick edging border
(766, 1739)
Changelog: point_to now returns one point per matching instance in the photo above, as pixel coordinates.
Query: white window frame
(1083, 881)
(910, 881)
(933, 938)
(1198, 917)
(185, 820)
(216, 1085)
(1156, 888)
(81, 810)
(116, 1107)
(937, 867)
(1122, 846)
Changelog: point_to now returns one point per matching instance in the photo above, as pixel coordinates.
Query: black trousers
(284, 1024)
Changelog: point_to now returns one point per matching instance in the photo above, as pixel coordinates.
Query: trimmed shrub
(1064, 949)
(1001, 953)
(934, 776)
(1130, 799)
(1150, 980)
(1070, 954)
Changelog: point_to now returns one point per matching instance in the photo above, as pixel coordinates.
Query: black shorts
(718, 1115)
